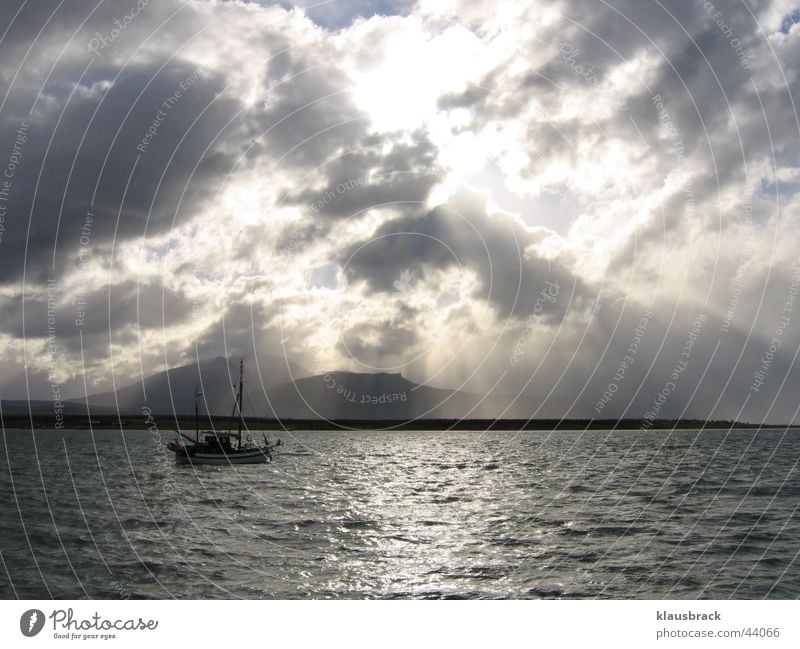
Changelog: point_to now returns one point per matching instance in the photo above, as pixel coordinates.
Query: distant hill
(334, 395)
(349, 395)
(17, 408)
(173, 391)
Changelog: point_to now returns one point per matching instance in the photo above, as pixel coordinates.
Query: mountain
(334, 395)
(173, 391)
(349, 395)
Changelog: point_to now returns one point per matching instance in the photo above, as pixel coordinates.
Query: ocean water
(456, 514)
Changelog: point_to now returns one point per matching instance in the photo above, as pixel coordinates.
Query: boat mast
(196, 416)
(239, 398)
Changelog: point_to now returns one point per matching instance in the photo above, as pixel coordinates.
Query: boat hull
(256, 456)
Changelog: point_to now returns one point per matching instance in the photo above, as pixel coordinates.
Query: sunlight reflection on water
(407, 514)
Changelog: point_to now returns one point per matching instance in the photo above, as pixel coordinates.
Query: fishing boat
(221, 447)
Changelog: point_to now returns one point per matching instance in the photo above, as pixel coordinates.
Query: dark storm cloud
(86, 134)
(120, 146)
(707, 91)
(699, 75)
(310, 114)
(315, 125)
(401, 177)
(462, 234)
(72, 158)
(98, 311)
(84, 131)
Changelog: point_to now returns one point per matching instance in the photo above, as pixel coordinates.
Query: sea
(395, 514)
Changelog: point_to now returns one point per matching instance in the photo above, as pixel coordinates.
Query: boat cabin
(219, 442)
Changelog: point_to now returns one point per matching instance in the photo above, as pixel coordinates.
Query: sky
(591, 202)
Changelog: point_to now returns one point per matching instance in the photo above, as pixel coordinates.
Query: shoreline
(186, 423)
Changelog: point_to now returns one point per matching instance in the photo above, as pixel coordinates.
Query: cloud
(461, 236)
(640, 157)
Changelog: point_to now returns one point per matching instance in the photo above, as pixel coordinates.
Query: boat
(221, 447)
